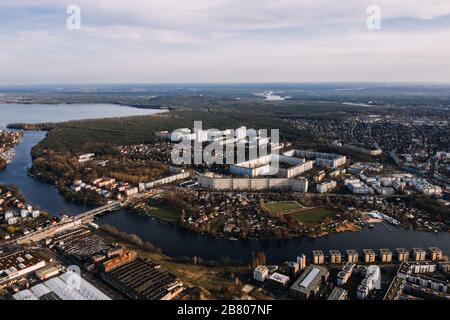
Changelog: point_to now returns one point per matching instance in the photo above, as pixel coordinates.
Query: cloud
(223, 40)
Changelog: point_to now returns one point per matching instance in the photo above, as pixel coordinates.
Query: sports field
(312, 216)
(276, 207)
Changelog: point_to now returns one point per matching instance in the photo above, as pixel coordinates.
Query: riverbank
(173, 219)
(222, 282)
(177, 242)
(8, 140)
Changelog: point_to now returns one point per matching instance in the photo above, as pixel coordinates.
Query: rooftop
(310, 279)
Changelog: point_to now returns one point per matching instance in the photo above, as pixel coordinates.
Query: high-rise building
(301, 260)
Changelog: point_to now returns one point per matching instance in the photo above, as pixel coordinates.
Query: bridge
(78, 220)
(68, 223)
(114, 205)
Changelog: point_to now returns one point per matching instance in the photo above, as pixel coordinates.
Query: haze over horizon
(223, 41)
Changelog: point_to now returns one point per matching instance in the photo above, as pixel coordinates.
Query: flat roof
(279, 277)
(18, 261)
(337, 293)
(310, 277)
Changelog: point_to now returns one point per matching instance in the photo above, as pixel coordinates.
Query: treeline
(257, 259)
(184, 201)
(3, 164)
(90, 135)
(430, 205)
(130, 238)
(32, 126)
(222, 262)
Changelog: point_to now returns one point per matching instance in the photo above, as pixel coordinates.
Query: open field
(277, 207)
(316, 215)
(165, 213)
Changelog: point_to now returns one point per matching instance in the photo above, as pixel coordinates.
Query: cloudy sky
(159, 41)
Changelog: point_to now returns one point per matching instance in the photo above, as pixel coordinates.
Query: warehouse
(142, 280)
(309, 283)
(62, 288)
(18, 264)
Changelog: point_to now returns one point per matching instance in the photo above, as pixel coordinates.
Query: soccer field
(276, 207)
(312, 216)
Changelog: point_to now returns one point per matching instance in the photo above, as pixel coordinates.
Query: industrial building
(125, 257)
(19, 264)
(369, 256)
(64, 287)
(318, 257)
(308, 284)
(143, 280)
(47, 272)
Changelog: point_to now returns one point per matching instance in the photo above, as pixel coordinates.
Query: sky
(200, 41)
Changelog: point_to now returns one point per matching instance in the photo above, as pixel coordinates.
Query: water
(175, 241)
(39, 113)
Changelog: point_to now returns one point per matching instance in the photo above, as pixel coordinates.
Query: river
(172, 240)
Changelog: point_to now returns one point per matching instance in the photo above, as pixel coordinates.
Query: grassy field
(165, 213)
(276, 207)
(312, 216)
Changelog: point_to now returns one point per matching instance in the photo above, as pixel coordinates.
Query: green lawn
(313, 215)
(165, 213)
(275, 207)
